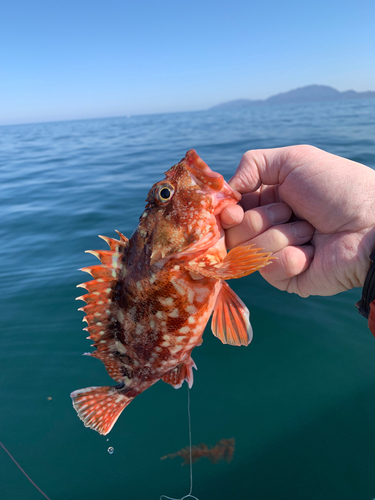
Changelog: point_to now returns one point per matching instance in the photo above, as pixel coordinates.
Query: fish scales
(152, 296)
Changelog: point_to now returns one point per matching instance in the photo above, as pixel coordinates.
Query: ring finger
(279, 237)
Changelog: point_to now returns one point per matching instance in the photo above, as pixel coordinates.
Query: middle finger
(256, 221)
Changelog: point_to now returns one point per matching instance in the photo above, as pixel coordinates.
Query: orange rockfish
(151, 298)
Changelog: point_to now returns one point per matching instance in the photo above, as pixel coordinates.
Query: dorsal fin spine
(96, 285)
(108, 258)
(114, 245)
(100, 271)
(123, 238)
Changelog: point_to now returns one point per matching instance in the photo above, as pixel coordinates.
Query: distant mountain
(310, 93)
(239, 103)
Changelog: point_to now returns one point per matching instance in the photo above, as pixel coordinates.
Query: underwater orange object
(223, 450)
(153, 294)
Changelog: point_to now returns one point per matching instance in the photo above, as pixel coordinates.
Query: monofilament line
(189, 495)
(23, 472)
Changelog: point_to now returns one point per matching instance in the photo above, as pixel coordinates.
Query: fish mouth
(207, 179)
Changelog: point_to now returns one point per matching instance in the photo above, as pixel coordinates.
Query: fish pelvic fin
(99, 407)
(230, 320)
(239, 262)
(181, 372)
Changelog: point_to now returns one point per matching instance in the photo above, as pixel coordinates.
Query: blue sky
(71, 59)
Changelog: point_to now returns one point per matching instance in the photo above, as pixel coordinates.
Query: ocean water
(299, 401)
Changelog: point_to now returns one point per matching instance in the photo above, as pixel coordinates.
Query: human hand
(326, 249)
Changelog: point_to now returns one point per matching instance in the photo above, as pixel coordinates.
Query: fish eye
(164, 193)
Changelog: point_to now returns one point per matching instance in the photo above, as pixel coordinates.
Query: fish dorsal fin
(99, 296)
(123, 238)
(240, 261)
(115, 245)
(181, 372)
(230, 320)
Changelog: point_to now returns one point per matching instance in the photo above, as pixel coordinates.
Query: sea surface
(299, 401)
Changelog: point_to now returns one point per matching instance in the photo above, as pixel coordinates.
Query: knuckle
(303, 150)
(254, 222)
(249, 155)
(290, 261)
(278, 238)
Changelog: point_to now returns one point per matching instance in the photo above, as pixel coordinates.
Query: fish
(223, 450)
(153, 294)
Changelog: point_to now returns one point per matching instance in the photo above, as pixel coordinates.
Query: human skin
(314, 210)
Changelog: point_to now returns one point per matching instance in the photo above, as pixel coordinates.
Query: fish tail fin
(99, 407)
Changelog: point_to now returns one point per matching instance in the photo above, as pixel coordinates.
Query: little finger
(290, 262)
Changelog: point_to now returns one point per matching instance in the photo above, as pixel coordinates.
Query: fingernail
(278, 212)
(302, 229)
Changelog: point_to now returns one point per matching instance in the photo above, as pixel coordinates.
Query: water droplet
(111, 450)
(107, 440)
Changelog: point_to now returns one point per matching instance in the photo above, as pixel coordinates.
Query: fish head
(181, 215)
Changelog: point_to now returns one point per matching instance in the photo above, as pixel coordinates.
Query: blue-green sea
(299, 401)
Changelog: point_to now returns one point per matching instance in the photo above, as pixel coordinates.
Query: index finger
(268, 166)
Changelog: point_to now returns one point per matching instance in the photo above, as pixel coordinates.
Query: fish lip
(201, 172)
(206, 178)
(228, 190)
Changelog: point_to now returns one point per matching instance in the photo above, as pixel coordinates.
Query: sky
(77, 59)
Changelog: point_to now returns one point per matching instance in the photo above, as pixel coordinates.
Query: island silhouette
(309, 93)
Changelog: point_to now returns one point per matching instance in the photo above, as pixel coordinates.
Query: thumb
(262, 166)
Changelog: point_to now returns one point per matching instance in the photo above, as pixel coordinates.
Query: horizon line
(190, 111)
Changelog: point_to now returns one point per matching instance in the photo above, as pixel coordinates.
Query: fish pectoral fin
(99, 407)
(230, 320)
(240, 261)
(181, 372)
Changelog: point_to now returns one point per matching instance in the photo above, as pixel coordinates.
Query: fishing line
(23, 472)
(189, 495)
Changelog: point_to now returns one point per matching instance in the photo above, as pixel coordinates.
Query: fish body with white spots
(153, 294)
